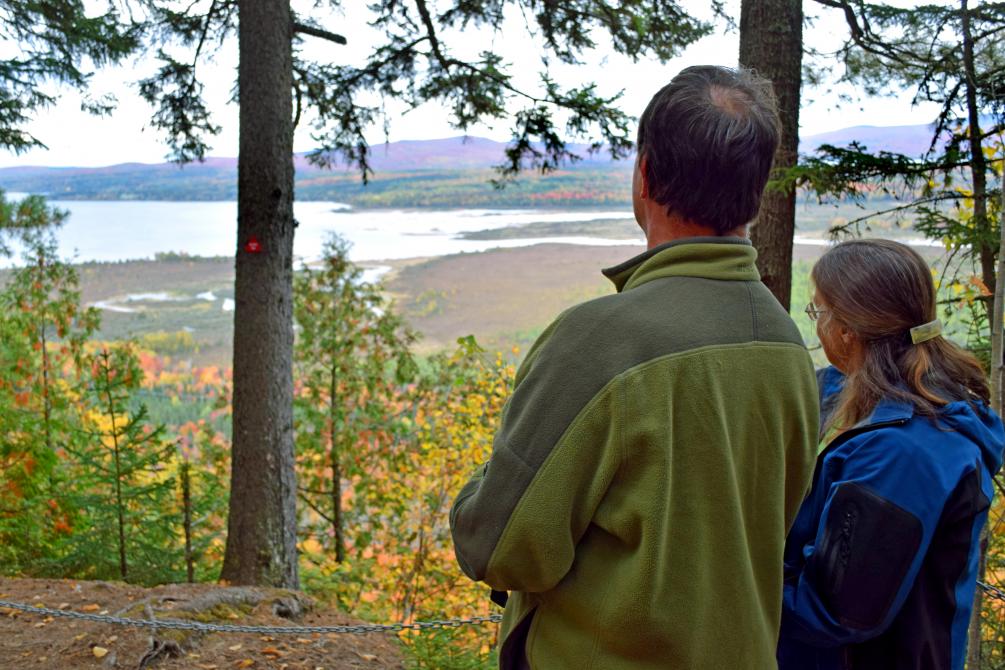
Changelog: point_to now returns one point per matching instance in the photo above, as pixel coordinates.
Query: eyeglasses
(813, 311)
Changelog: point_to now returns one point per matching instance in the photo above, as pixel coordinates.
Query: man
(659, 440)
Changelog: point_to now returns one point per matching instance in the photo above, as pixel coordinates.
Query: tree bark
(186, 501)
(978, 168)
(261, 530)
(106, 367)
(771, 43)
(978, 164)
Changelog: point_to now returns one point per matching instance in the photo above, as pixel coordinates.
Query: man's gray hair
(709, 139)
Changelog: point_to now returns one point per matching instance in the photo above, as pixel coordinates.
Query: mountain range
(405, 160)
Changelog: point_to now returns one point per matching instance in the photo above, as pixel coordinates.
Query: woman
(881, 562)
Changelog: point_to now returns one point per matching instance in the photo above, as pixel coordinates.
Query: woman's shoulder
(963, 434)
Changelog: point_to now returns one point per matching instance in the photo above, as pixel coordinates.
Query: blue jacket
(881, 562)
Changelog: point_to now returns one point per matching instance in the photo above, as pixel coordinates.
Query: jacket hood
(974, 420)
(981, 426)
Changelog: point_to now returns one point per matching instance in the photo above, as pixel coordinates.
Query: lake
(120, 230)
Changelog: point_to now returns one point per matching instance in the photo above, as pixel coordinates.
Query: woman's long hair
(880, 289)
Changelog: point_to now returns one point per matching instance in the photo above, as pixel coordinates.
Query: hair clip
(926, 331)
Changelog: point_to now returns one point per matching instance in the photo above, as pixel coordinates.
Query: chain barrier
(176, 624)
(359, 629)
(992, 591)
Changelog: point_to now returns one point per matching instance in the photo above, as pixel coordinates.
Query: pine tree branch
(834, 231)
(318, 32)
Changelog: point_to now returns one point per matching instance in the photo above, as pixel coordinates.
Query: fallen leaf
(90, 608)
(80, 637)
(304, 640)
(63, 606)
(235, 647)
(272, 651)
(246, 663)
(99, 652)
(367, 657)
(112, 639)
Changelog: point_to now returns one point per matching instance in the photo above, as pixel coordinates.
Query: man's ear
(644, 176)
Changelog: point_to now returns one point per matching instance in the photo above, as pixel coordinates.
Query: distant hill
(424, 172)
(907, 140)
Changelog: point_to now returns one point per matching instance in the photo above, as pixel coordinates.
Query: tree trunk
(186, 502)
(261, 530)
(978, 164)
(336, 469)
(106, 366)
(771, 43)
(978, 168)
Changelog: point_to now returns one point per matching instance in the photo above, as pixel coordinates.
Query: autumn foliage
(115, 459)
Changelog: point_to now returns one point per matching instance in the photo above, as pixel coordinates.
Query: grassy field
(175, 306)
(504, 297)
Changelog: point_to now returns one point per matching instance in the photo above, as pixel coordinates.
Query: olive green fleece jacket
(650, 461)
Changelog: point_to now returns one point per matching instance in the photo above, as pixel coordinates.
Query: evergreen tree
(24, 221)
(59, 41)
(42, 338)
(948, 55)
(126, 526)
(352, 357)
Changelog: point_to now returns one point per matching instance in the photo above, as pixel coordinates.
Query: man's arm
(516, 523)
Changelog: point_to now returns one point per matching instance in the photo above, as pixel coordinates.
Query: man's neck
(671, 229)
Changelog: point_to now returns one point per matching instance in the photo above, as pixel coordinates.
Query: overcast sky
(76, 139)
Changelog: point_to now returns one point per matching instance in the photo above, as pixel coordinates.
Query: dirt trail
(33, 641)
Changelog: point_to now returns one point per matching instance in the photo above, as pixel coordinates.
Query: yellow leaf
(234, 647)
(99, 652)
(90, 608)
(246, 663)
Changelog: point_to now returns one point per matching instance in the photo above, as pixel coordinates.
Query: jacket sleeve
(516, 523)
(880, 512)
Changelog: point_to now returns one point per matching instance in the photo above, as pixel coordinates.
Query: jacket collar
(726, 258)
